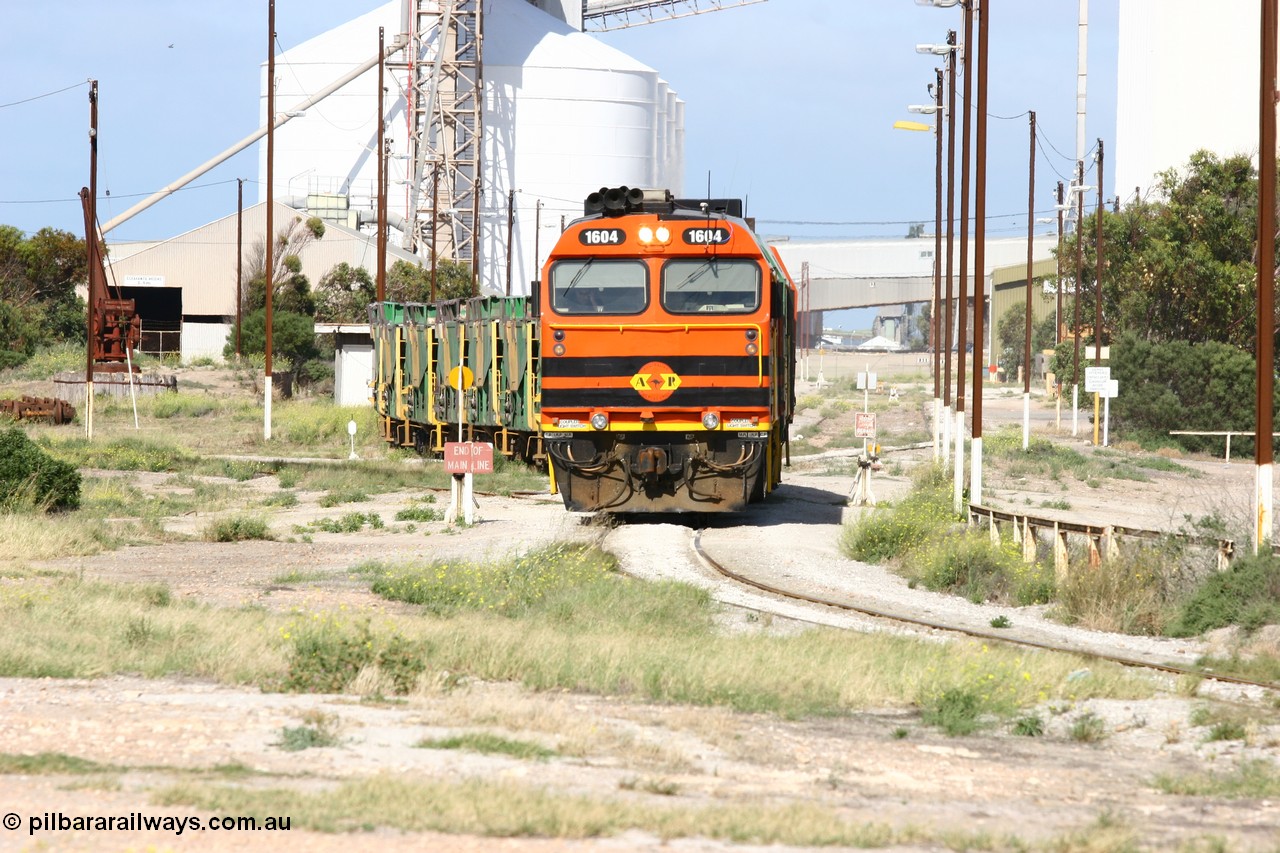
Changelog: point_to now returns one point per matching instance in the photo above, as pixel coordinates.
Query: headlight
(599, 420)
(645, 234)
(710, 420)
(663, 234)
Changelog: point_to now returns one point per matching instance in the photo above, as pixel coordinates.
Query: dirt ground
(1040, 790)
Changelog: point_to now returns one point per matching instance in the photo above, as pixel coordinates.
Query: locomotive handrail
(673, 327)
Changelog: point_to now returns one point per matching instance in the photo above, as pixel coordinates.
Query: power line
(45, 95)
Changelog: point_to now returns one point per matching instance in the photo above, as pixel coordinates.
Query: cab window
(599, 286)
(711, 286)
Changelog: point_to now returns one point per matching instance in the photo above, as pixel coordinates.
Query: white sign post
(1109, 390)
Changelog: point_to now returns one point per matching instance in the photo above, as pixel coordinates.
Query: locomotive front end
(661, 385)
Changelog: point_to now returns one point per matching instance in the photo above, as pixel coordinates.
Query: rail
(1101, 541)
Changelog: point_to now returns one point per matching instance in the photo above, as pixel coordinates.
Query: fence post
(1028, 541)
(1060, 565)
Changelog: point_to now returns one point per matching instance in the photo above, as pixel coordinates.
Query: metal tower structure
(445, 73)
(605, 15)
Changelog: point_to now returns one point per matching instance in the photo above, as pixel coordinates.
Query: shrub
(970, 565)
(1246, 594)
(892, 532)
(1133, 593)
(327, 655)
(29, 478)
(237, 528)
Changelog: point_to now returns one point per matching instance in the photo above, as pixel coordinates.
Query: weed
(1132, 593)
(662, 787)
(955, 711)
(1029, 726)
(1088, 728)
(1001, 622)
(333, 499)
(352, 522)
(327, 654)
(972, 566)
(318, 730)
(419, 513)
(901, 732)
(281, 499)
(1249, 779)
(51, 763)
(893, 532)
(489, 744)
(1226, 730)
(237, 528)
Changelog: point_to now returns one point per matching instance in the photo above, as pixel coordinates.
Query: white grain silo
(564, 114)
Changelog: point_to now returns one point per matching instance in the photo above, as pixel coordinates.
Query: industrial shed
(185, 287)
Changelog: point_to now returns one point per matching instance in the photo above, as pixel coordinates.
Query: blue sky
(790, 104)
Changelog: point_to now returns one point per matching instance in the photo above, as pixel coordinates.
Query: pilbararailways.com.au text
(139, 822)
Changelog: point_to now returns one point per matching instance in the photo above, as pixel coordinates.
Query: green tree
(408, 282)
(1011, 337)
(290, 289)
(38, 303)
(1181, 267)
(1181, 385)
(293, 336)
(343, 295)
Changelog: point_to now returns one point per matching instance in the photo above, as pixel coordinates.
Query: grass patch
(51, 764)
(26, 536)
(507, 587)
(119, 454)
(509, 810)
(969, 564)
(71, 628)
(1088, 728)
(237, 528)
(490, 744)
(1134, 593)
(601, 634)
(892, 532)
(351, 522)
(1250, 779)
(318, 730)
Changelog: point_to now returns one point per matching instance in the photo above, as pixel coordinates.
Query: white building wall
(353, 366)
(204, 340)
(1187, 79)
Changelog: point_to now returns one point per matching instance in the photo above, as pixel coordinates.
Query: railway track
(955, 628)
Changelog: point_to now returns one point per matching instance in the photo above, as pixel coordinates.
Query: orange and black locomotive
(652, 369)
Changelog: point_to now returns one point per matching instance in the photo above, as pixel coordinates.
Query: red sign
(468, 457)
(864, 425)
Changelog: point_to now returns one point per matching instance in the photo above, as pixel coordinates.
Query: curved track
(958, 629)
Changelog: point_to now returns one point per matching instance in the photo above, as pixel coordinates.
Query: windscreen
(711, 286)
(599, 286)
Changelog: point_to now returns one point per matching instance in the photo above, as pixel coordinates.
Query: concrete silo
(564, 114)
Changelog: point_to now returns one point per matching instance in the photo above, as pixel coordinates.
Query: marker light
(599, 420)
(558, 349)
(710, 420)
(752, 349)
